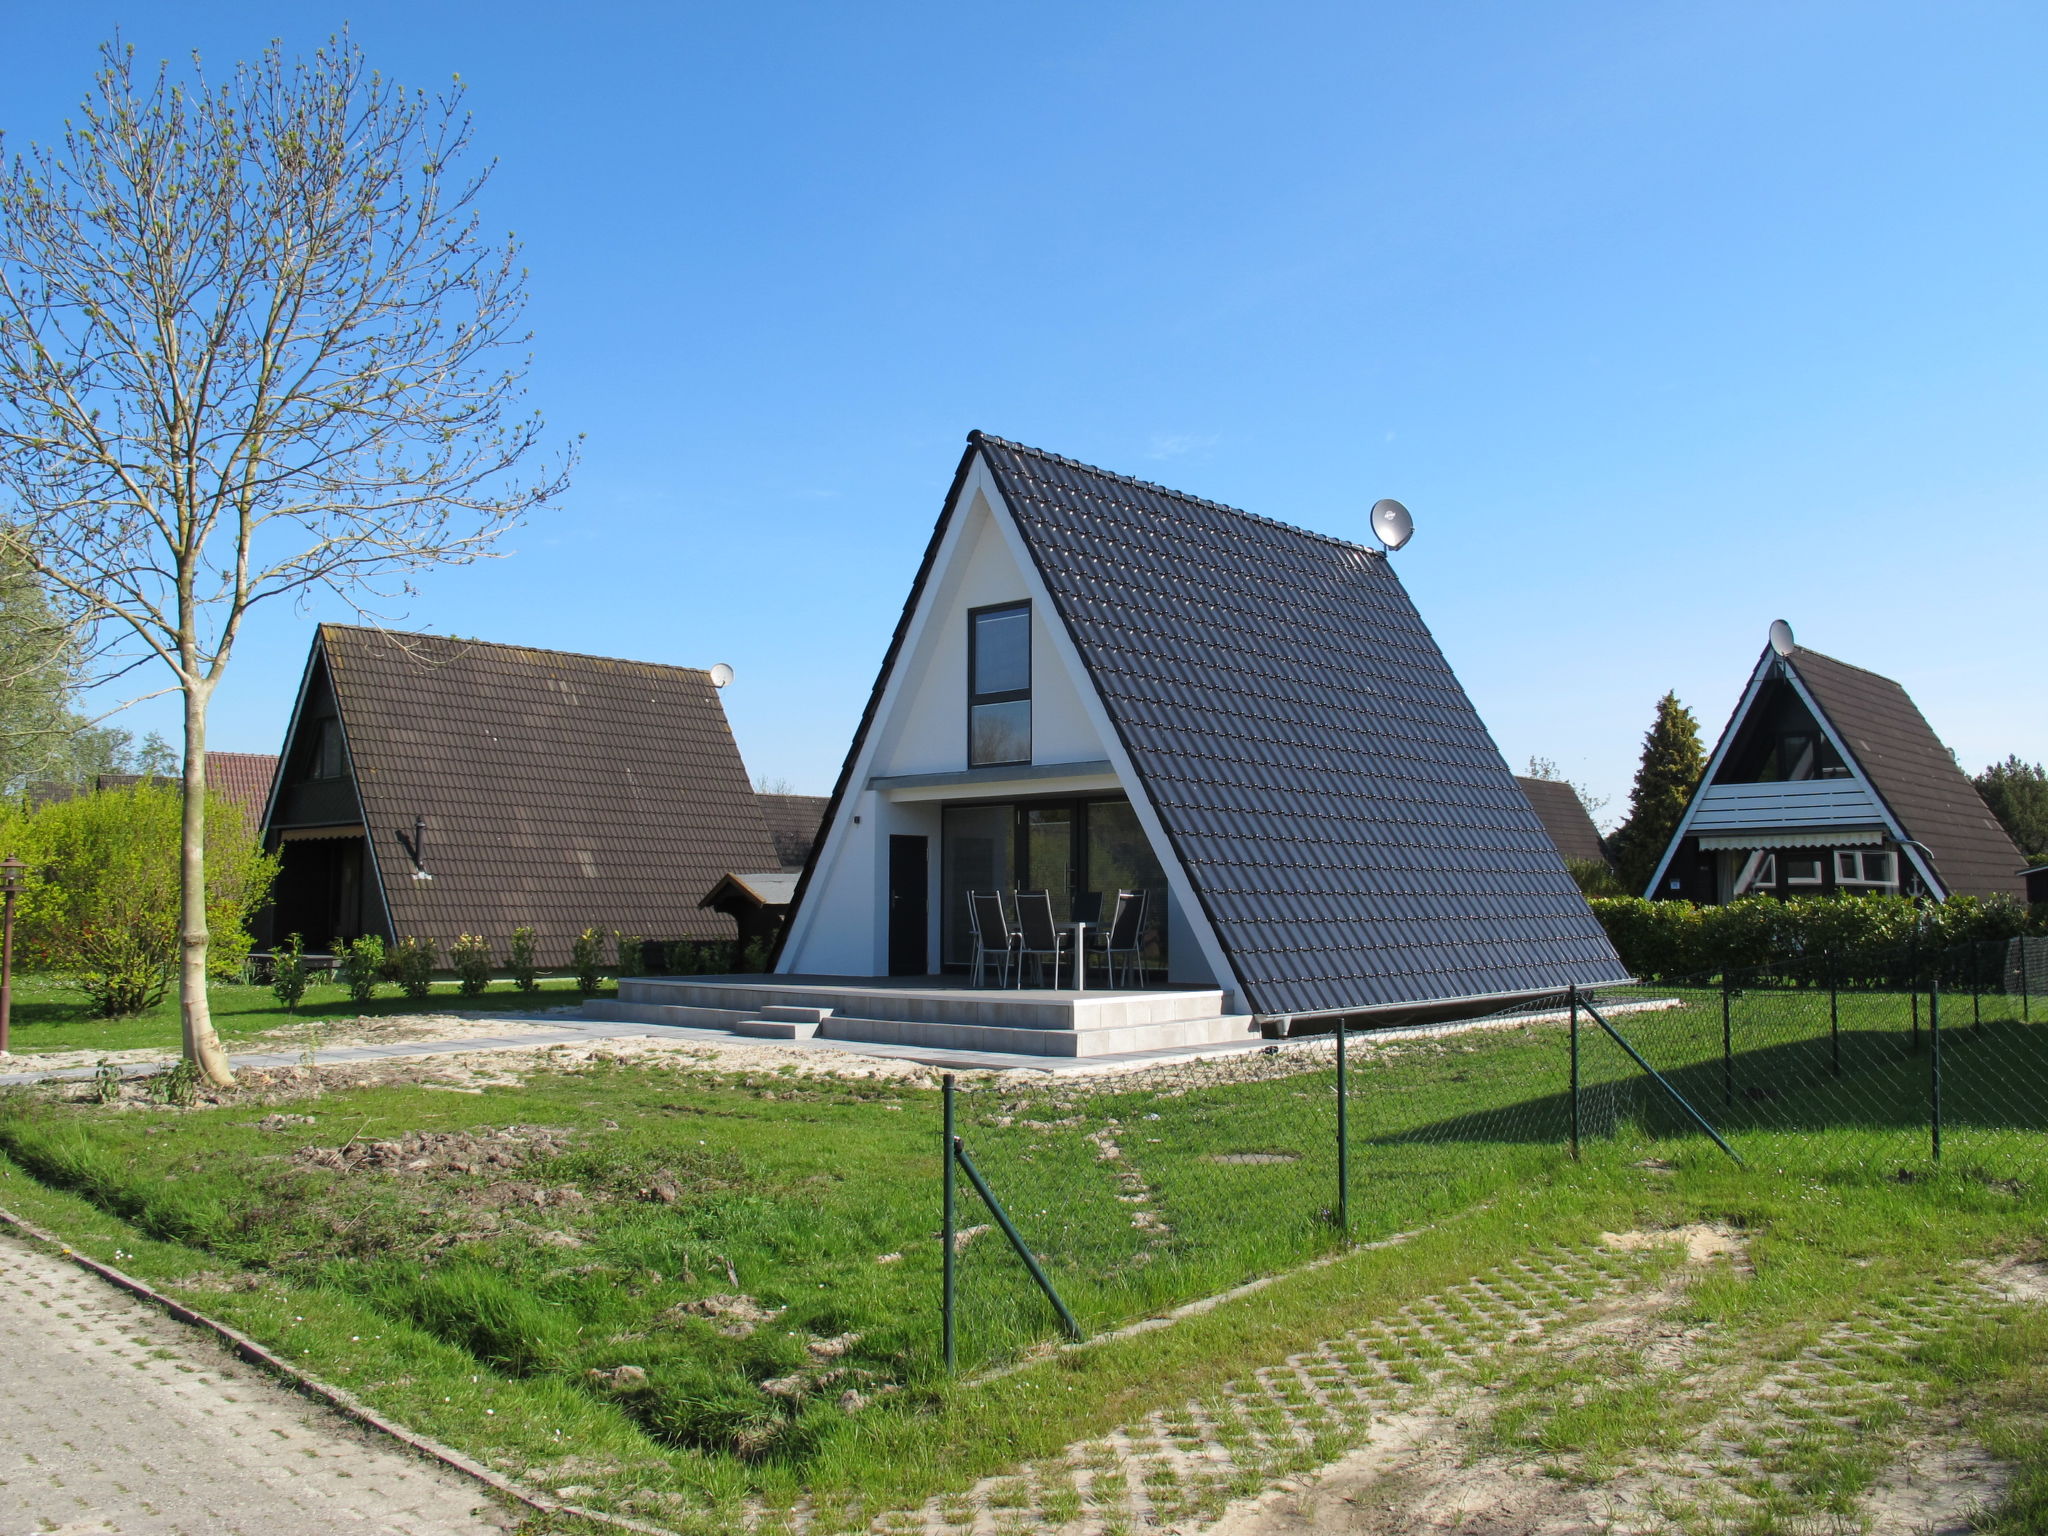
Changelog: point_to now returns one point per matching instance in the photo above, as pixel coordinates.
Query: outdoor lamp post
(10, 887)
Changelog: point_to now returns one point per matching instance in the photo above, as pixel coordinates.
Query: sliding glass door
(1067, 848)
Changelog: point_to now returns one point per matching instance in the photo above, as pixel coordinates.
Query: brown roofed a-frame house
(432, 787)
(1829, 779)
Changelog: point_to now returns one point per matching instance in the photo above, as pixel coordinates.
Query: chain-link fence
(1134, 1191)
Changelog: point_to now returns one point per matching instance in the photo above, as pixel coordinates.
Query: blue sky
(1666, 320)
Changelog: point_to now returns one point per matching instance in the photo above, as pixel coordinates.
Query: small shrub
(288, 973)
(360, 966)
(106, 1082)
(587, 955)
(471, 956)
(412, 967)
(754, 958)
(630, 948)
(524, 960)
(177, 1084)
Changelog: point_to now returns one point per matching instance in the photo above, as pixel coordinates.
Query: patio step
(763, 997)
(1116, 1040)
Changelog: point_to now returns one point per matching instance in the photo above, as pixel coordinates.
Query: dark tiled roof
(1563, 814)
(793, 822)
(1906, 763)
(559, 790)
(1347, 822)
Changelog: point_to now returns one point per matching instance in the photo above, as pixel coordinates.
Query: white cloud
(1172, 445)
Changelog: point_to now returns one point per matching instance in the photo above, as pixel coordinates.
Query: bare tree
(253, 344)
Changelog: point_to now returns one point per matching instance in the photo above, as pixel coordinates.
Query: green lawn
(751, 1249)
(49, 1016)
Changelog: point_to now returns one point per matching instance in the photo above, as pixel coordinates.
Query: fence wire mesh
(1139, 1190)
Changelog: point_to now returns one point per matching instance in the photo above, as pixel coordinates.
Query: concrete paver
(118, 1421)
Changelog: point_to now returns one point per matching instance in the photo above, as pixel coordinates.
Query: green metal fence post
(946, 1228)
(1727, 1046)
(1343, 1138)
(1023, 1249)
(1662, 1082)
(1575, 1071)
(1914, 982)
(1976, 983)
(1934, 1063)
(2026, 996)
(1835, 1015)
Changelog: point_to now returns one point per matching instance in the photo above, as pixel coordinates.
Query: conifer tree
(1673, 761)
(2016, 792)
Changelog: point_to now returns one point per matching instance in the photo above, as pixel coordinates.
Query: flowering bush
(524, 960)
(587, 955)
(471, 956)
(412, 967)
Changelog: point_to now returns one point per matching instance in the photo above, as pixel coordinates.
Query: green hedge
(1663, 940)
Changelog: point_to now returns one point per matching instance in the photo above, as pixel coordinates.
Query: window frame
(1001, 696)
(1855, 875)
(1818, 877)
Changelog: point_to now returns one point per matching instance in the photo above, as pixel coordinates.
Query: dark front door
(909, 919)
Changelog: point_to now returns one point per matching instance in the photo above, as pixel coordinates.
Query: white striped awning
(1812, 837)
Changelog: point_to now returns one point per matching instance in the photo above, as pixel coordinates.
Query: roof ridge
(1806, 650)
(508, 645)
(979, 437)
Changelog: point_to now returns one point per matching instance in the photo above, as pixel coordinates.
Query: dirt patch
(441, 1152)
(1703, 1242)
(2017, 1279)
(1252, 1157)
(734, 1316)
(1937, 1490)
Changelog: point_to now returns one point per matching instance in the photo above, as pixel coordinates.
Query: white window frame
(1852, 864)
(1818, 877)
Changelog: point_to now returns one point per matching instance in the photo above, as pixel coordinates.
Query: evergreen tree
(2016, 792)
(1673, 761)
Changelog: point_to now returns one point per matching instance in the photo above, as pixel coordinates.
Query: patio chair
(1038, 936)
(1124, 937)
(994, 939)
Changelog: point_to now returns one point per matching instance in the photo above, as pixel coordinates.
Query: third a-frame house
(1828, 779)
(1098, 684)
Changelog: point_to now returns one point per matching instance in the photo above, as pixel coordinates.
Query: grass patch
(679, 1290)
(49, 1016)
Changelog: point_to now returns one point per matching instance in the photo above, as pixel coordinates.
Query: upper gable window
(999, 685)
(326, 763)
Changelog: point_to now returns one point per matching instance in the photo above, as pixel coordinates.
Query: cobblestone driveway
(115, 1419)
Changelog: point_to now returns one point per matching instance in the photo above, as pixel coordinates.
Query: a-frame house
(432, 787)
(1829, 779)
(1101, 684)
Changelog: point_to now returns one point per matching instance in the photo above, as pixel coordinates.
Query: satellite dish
(721, 675)
(1781, 637)
(1391, 524)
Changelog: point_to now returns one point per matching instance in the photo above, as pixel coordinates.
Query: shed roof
(559, 790)
(1915, 775)
(1563, 814)
(1348, 825)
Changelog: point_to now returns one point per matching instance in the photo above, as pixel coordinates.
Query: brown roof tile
(1563, 814)
(1915, 775)
(793, 823)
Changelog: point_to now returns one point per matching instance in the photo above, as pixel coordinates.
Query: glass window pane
(977, 842)
(1120, 858)
(1002, 651)
(999, 733)
(1049, 856)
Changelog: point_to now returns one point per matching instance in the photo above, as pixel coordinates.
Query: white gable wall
(920, 727)
(928, 732)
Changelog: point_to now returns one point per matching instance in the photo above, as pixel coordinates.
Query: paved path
(115, 1421)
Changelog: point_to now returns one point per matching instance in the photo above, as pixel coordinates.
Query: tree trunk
(202, 1045)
